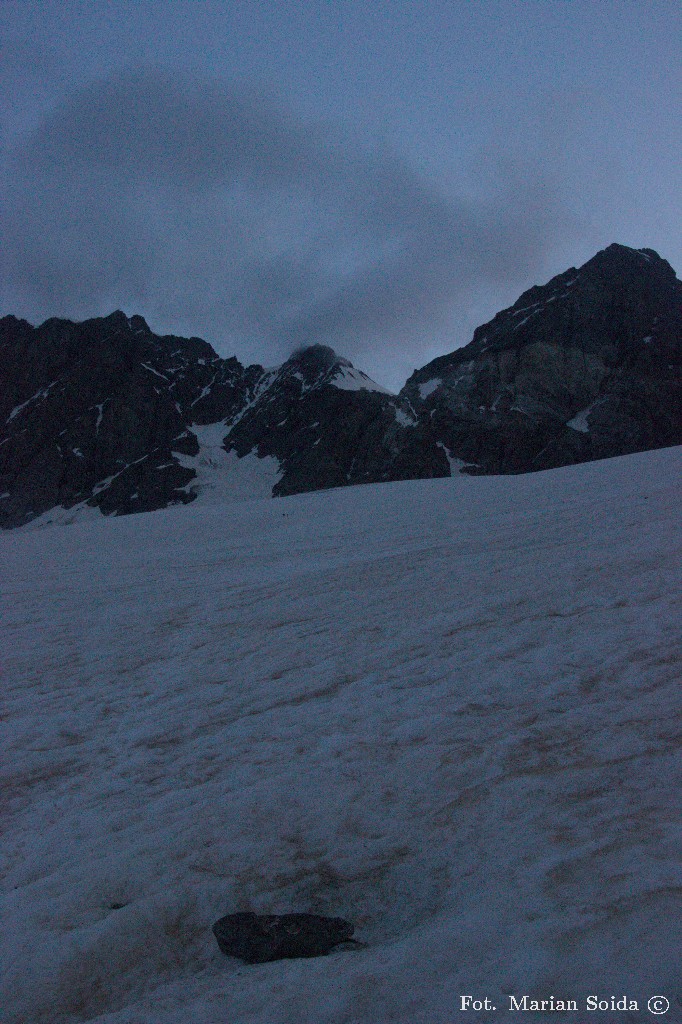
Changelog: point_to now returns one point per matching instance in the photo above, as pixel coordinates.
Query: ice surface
(446, 710)
(526, 318)
(455, 464)
(206, 390)
(579, 421)
(266, 381)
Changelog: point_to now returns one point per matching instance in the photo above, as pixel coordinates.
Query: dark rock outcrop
(96, 413)
(585, 367)
(103, 414)
(260, 938)
(329, 425)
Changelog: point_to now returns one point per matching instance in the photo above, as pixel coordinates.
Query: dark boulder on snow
(259, 938)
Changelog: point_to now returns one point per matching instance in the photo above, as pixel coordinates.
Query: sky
(374, 176)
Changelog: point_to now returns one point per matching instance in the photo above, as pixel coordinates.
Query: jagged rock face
(107, 414)
(94, 412)
(585, 367)
(102, 414)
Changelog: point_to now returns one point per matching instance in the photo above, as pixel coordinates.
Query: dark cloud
(173, 129)
(212, 209)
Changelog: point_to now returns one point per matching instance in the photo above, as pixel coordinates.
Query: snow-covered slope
(447, 710)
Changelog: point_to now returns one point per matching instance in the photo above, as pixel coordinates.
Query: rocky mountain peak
(317, 366)
(317, 355)
(138, 324)
(585, 366)
(120, 321)
(616, 261)
(314, 364)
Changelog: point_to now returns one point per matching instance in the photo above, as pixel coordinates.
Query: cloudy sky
(380, 177)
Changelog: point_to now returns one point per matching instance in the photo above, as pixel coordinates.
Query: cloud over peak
(212, 208)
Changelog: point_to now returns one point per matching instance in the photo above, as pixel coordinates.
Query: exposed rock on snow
(257, 939)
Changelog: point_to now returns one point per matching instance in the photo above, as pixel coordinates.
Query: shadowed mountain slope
(585, 367)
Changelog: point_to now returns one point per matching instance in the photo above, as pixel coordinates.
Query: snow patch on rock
(579, 421)
(221, 476)
(347, 378)
(429, 386)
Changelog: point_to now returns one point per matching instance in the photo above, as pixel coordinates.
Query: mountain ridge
(100, 413)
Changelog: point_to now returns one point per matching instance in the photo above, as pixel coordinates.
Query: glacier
(446, 710)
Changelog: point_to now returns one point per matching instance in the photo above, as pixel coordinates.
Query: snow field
(446, 710)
